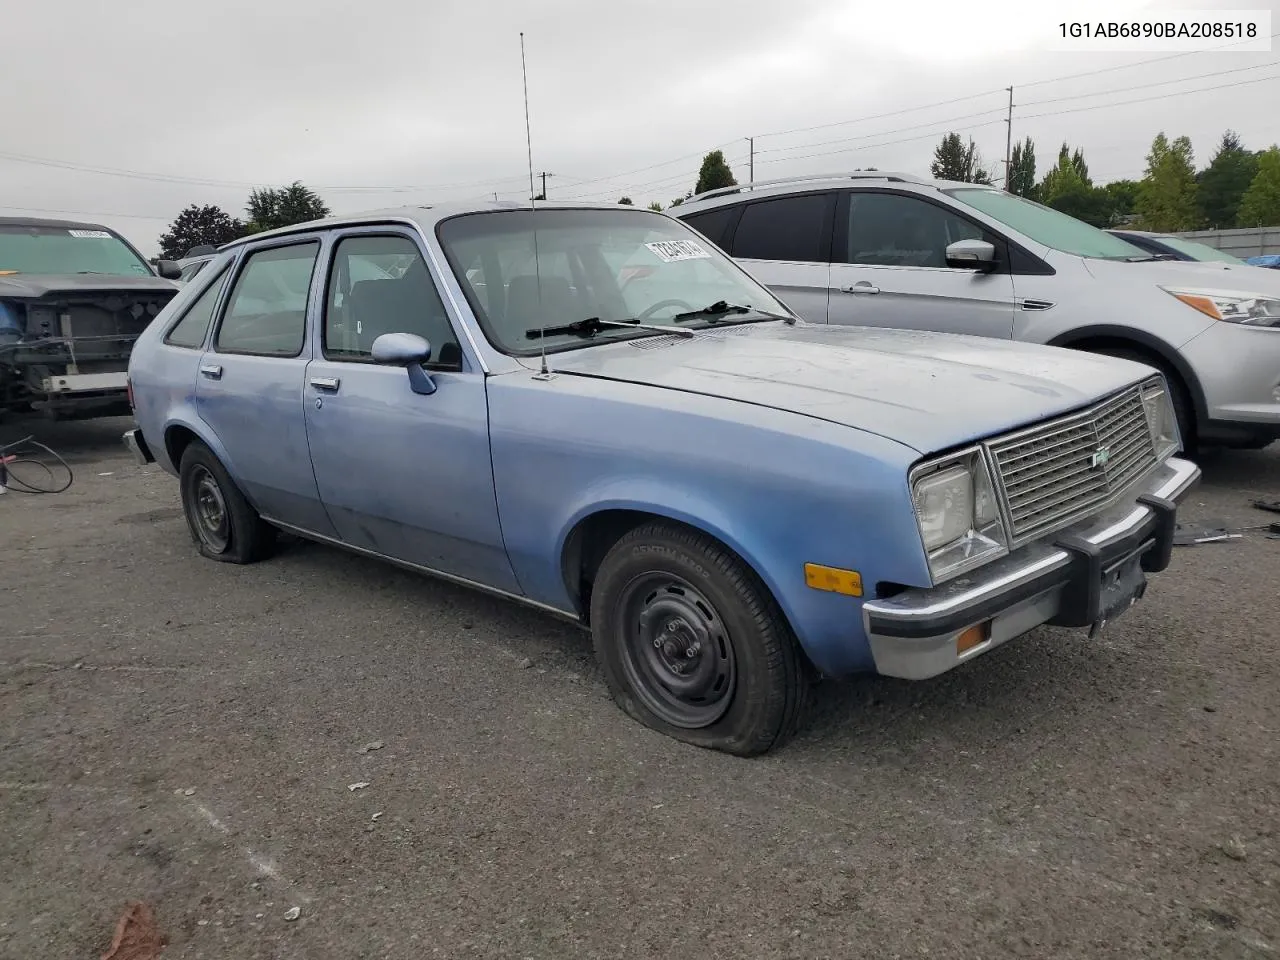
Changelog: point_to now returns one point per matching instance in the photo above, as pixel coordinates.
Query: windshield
(616, 266)
(45, 249)
(1055, 230)
(1198, 251)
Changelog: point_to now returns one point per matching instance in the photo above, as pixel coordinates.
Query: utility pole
(544, 174)
(751, 162)
(1008, 141)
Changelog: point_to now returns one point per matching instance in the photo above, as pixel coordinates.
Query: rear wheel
(692, 644)
(222, 523)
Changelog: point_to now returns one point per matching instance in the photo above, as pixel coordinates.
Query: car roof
(784, 186)
(59, 224)
(427, 217)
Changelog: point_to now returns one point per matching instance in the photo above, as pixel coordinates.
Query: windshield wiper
(593, 325)
(1149, 259)
(721, 307)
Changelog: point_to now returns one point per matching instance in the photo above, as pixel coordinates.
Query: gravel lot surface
(187, 734)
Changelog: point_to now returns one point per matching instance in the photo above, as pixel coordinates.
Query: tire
(222, 524)
(1178, 393)
(672, 608)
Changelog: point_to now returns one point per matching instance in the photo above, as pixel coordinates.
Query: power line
(882, 133)
(876, 116)
(236, 184)
(1148, 86)
(887, 143)
(985, 93)
(86, 213)
(1123, 103)
(1139, 63)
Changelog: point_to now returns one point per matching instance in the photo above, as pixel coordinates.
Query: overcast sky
(400, 101)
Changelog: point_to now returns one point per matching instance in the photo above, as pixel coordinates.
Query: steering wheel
(650, 310)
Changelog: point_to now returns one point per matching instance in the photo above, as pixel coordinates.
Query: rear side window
(715, 224)
(191, 329)
(267, 311)
(789, 228)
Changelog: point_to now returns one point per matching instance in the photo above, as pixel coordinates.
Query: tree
(1260, 206)
(196, 226)
(679, 200)
(1090, 204)
(272, 207)
(655, 206)
(715, 173)
(1070, 175)
(1022, 170)
(1223, 183)
(1123, 198)
(1167, 194)
(626, 202)
(953, 160)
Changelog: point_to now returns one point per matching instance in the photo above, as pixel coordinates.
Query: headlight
(1252, 309)
(1161, 418)
(959, 516)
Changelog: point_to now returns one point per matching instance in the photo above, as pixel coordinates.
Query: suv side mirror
(168, 269)
(406, 350)
(971, 255)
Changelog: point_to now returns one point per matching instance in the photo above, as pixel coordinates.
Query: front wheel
(693, 645)
(222, 523)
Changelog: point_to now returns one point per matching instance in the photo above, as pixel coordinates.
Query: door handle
(861, 287)
(325, 383)
(211, 370)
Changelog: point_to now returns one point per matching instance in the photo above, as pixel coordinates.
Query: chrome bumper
(1082, 576)
(137, 444)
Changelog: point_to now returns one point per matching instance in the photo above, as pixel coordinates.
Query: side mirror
(406, 350)
(971, 255)
(168, 269)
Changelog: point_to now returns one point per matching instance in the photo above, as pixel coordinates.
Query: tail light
(128, 389)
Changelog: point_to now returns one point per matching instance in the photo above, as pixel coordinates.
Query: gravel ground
(186, 734)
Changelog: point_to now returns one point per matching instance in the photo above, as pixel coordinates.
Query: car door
(889, 268)
(402, 474)
(249, 383)
(785, 243)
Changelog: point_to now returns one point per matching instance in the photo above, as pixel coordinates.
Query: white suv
(894, 250)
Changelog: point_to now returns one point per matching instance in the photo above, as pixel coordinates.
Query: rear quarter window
(716, 225)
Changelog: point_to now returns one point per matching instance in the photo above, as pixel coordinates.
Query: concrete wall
(1247, 242)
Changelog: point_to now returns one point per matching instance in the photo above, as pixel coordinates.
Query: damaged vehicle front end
(73, 299)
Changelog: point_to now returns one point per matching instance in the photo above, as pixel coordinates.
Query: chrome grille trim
(1049, 476)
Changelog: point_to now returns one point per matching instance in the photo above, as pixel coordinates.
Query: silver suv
(894, 250)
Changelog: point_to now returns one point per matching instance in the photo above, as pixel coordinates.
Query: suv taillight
(128, 389)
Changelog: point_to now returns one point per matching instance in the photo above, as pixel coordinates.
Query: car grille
(1057, 472)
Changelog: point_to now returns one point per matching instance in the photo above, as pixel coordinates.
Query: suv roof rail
(855, 175)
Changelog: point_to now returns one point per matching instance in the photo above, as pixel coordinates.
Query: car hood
(929, 391)
(1236, 278)
(31, 286)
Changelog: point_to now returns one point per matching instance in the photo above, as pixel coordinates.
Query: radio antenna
(533, 208)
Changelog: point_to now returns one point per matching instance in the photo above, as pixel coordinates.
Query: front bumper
(137, 444)
(1238, 368)
(1084, 576)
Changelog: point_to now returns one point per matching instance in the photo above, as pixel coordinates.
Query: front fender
(779, 489)
(666, 500)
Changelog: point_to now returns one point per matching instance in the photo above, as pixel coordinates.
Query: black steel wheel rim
(209, 510)
(676, 651)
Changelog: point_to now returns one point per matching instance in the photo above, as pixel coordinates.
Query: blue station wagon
(592, 410)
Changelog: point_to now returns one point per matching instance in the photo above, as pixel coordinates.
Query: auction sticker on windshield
(669, 251)
(90, 234)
